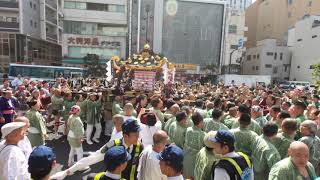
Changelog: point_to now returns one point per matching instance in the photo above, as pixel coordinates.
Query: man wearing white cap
(13, 163)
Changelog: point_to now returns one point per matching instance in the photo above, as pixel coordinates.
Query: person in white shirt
(128, 112)
(25, 144)
(171, 162)
(149, 167)
(16, 82)
(148, 130)
(13, 162)
(117, 129)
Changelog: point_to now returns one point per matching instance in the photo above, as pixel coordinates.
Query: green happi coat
(177, 134)
(245, 140)
(282, 143)
(286, 170)
(192, 145)
(116, 108)
(92, 111)
(229, 121)
(37, 122)
(83, 110)
(264, 156)
(167, 116)
(300, 119)
(254, 126)
(168, 123)
(76, 128)
(159, 114)
(261, 121)
(212, 125)
(202, 112)
(56, 103)
(67, 107)
(203, 164)
(313, 143)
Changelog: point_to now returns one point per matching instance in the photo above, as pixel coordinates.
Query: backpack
(245, 173)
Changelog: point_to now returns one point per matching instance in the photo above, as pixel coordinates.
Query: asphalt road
(61, 148)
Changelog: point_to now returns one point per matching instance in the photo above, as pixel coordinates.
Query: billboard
(192, 32)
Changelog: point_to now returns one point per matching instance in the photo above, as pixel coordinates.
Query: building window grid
(281, 56)
(94, 6)
(232, 29)
(275, 56)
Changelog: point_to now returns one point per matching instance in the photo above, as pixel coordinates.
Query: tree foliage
(95, 68)
(316, 74)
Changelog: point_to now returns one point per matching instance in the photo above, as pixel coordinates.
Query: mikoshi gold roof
(146, 60)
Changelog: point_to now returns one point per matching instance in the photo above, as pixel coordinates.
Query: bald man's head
(175, 108)
(160, 137)
(22, 119)
(299, 152)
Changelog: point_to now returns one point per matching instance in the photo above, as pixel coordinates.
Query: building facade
(185, 31)
(267, 19)
(304, 40)
(234, 41)
(297, 9)
(94, 27)
(238, 4)
(23, 38)
(268, 58)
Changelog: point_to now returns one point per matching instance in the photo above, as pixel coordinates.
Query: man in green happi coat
(265, 155)
(245, 138)
(308, 131)
(37, 130)
(199, 108)
(177, 130)
(116, 106)
(93, 117)
(192, 144)
(214, 124)
(294, 167)
(284, 139)
(296, 111)
(205, 159)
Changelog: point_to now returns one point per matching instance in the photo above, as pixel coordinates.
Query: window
(69, 5)
(257, 68)
(9, 19)
(298, 67)
(234, 47)
(30, 4)
(275, 56)
(290, 2)
(275, 70)
(73, 27)
(289, 14)
(268, 65)
(258, 56)
(299, 40)
(97, 7)
(31, 23)
(248, 57)
(310, 3)
(314, 36)
(254, 56)
(269, 53)
(232, 29)
(253, 67)
(35, 24)
(81, 5)
(14, 19)
(285, 68)
(34, 6)
(281, 56)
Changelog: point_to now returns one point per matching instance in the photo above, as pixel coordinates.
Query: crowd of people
(181, 131)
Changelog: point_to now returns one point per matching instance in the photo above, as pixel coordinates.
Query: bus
(41, 72)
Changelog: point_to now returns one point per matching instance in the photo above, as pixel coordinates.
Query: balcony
(9, 5)
(52, 38)
(9, 26)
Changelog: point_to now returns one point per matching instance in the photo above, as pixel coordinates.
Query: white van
(299, 84)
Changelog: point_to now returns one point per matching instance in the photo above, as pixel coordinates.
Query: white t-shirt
(149, 167)
(13, 163)
(24, 145)
(116, 135)
(147, 132)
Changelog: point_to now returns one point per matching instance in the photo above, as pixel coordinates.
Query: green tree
(95, 68)
(316, 74)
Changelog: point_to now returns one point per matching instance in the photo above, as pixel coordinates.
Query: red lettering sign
(79, 40)
(71, 40)
(95, 41)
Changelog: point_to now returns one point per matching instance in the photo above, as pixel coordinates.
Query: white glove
(59, 175)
